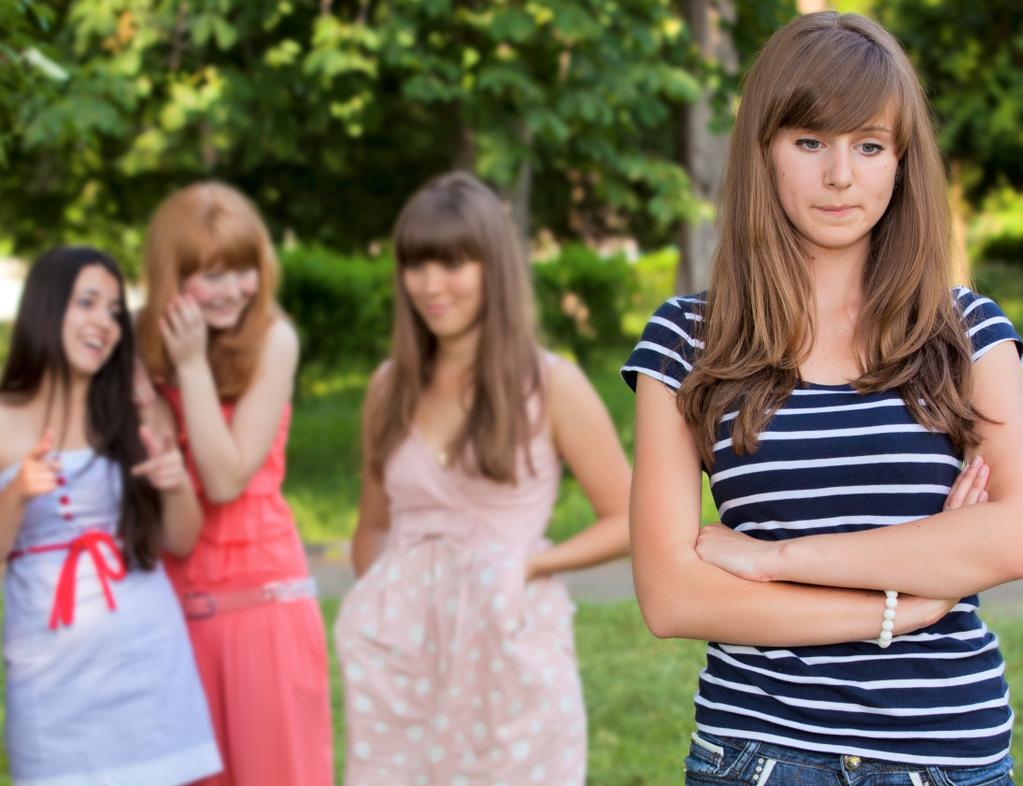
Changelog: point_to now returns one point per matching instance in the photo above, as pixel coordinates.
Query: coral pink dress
(457, 671)
(263, 664)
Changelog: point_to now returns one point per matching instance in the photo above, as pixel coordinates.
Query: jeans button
(852, 762)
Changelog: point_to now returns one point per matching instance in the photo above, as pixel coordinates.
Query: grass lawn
(639, 694)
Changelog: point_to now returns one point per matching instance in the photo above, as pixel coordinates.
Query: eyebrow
(96, 293)
(875, 129)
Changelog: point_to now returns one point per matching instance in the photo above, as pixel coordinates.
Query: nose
(104, 319)
(433, 277)
(232, 285)
(839, 172)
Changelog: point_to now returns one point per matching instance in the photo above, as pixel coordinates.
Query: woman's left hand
(739, 554)
(165, 467)
(183, 328)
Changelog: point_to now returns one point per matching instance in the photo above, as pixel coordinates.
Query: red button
(68, 517)
(64, 500)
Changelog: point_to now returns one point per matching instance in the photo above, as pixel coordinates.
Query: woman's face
(834, 188)
(91, 329)
(448, 296)
(222, 294)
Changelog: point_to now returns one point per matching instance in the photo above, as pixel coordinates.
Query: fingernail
(976, 461)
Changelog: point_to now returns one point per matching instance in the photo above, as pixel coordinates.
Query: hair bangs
(222, 239)
(435, 230)
(844, 82)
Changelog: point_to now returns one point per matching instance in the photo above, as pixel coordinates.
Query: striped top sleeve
(986, 324)
(669, 344)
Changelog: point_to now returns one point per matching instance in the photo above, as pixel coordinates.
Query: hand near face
(184, 331)
(165, 468)
(749, 558)
(37, 474)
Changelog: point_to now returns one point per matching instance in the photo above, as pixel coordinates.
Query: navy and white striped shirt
(832, 460)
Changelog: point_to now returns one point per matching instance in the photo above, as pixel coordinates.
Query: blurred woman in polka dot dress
(456, 643)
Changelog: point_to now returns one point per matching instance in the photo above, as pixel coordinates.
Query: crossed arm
(953, 554)
(693, 593)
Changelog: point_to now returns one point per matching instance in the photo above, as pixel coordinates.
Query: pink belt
(201, 605)
(63, 612)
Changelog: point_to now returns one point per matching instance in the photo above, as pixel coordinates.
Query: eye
(213, 275)
(871, 148)
(454, 264)
(811, 145)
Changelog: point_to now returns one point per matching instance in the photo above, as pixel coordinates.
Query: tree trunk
(701, 151)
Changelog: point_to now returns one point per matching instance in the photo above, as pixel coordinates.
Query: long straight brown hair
(455, 218)
(830, 73)
(203, 226)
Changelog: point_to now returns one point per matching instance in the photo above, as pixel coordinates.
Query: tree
(24, 67)
(970, 57)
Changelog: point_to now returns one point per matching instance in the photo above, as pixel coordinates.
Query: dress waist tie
(63, 612)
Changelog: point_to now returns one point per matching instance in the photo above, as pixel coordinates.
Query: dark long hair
(112, 424)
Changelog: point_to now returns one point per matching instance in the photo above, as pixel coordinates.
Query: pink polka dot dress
(457, 672)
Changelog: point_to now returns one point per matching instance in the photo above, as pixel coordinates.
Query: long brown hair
(830, 73)
(203, 226)
(456, 218)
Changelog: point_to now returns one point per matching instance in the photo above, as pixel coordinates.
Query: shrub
(341, 305)
(582, 298)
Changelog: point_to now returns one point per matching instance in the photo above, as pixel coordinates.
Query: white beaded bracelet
(891, 601)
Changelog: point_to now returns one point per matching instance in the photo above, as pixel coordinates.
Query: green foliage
(582, 299)
(996, 232)
(341, 305)
(968, 55)
(25, 65)
(315, 109)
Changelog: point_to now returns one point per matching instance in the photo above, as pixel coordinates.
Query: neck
(68, 401)
(458, 353)
(838, 276)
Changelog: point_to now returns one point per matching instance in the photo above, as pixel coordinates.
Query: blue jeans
(723, 761)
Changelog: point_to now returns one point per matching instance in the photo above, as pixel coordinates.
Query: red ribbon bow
(64, 598)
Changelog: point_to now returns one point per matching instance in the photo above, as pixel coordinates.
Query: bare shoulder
(564, 379)
(16, 443)
(278, 357)
(281, 340)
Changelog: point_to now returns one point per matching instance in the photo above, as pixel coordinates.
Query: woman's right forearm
(707, 603)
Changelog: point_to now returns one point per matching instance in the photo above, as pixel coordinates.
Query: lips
(434, 309)
(836, 210)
